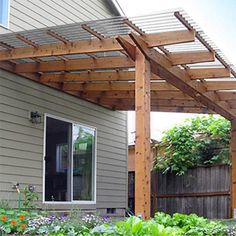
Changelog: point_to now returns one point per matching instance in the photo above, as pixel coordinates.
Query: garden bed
(77, 223)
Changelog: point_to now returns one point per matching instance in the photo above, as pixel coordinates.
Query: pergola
(158, 62)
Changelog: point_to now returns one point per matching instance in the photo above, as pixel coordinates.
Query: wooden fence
(202, 190)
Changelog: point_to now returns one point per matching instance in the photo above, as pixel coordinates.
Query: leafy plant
(198, 141)
(134, 226)
(30, 197)
(4, 204)
(13, 221)
(192, 224)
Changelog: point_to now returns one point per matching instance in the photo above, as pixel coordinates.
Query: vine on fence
(198, 141)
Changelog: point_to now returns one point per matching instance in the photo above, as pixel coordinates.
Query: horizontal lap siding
(32, 14)
(21, 142)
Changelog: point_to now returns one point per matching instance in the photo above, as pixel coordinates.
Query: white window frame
(8, 16)
(94, 184)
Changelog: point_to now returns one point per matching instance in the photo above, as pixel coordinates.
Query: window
(69, 162)
(4, 13)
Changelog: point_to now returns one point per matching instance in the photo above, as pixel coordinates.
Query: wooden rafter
(99, 63)
(76, 64)
(167, 109)
(94, 45)
(28, 42)
(92, 31)
(109, 86)
(169, 95)
(208, 73)
(66, 42)
(113, 77)
(92, 76)
(190, 57)
(180, 79)
(154, 102)
(87, 82)
(203, 41)
(58, 37)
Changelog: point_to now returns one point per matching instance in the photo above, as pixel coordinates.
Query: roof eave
(115, 7)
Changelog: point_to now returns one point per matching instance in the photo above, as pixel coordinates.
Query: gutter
(115, 7)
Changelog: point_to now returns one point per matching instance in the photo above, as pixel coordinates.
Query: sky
(217, 19)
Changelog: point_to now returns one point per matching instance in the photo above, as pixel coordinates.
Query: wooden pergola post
(142, 139)
(233, 167)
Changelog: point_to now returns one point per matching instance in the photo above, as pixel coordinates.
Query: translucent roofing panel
(166, 21)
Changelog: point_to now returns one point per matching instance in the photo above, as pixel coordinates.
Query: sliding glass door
(83, 152)
(69, 161)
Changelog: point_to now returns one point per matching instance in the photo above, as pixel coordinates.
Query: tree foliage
(198, 141)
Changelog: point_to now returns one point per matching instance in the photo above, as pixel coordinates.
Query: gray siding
(32, 14)
(21, 142)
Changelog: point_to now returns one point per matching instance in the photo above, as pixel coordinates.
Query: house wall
(21, 142)
(33, 14)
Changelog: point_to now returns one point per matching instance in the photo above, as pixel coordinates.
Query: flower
(3, 218)
(21, 217)
(13, 222)
(22, 226)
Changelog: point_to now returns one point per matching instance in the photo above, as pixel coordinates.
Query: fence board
(202, 190)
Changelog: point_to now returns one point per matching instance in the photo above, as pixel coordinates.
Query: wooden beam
(77, 64)
(92, 76)
(109, 86)
(154, 102)
(221, 85)
(193, 110)
(89, 76)
(95, 45)
(128, 47)
(58, 37)
(122, 105)
(169, 95)
(208, 73)
(190, 57)
(203, 41)
(180, 79)
(229, 84)
(26, 41)
(226, 95)
(156, 85)
(233, 166)
(142, 137)
(168, 38)
(92, 31)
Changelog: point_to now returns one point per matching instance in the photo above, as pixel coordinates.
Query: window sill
(71, 203)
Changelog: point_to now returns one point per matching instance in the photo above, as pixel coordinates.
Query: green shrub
(198, 141)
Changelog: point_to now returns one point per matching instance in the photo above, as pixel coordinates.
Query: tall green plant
(198, 141)
(30, 198)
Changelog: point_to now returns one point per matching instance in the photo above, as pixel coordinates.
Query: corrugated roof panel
(153, 23)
